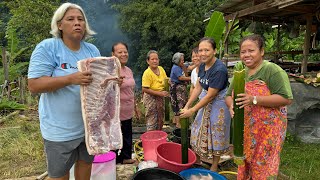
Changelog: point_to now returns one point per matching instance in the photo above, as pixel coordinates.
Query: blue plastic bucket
(198, 172)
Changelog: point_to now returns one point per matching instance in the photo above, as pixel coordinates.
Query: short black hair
(210, 40)
(119, 43)
(255, 38)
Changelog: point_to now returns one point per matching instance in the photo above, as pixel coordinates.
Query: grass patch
(300, 160)
(21, 147)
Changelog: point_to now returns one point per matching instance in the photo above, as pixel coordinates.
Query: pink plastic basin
(170, 157)
(150, 141)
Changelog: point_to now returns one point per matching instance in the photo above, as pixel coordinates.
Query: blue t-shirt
(176, 72)
(215, 77)
(59, 111)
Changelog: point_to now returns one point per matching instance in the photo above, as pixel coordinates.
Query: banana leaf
(216, 27)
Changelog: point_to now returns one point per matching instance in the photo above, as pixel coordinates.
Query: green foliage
(11, 105)
(236, 34)
(30, 20)
(13, 42)
(290, 138)
(15, 71)
(216, 27)
(165, 26)
(4, 18)
(270, 41)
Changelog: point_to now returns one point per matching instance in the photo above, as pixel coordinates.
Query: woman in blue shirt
(178, 86)
(54, 74)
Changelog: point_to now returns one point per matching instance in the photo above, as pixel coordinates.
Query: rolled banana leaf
(166, 102)
(184, 139)
(238, 119)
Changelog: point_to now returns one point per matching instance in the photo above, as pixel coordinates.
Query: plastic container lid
(156, 173)
(104, 157)
(200, 171)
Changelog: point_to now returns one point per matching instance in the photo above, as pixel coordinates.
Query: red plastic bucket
(150, 141)
(170, 157)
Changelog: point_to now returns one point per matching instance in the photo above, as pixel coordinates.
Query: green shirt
(273, 75)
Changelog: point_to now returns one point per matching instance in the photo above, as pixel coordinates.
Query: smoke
(104, 21)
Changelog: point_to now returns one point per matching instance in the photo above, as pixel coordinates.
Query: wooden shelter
(305, 12)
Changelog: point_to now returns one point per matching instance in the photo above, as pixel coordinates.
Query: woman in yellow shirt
(153, 92)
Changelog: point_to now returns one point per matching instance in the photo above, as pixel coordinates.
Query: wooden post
(277, 55)
(22, 85)
(306, 46)
(6, 84)
(5, 64)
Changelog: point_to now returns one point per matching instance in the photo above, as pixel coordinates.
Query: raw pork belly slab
(100, 102)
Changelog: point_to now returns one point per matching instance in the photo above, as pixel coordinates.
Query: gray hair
(176, 57)
(58, 16)
(150, 52)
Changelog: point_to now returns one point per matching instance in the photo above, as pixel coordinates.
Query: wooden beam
(263, 6)
(306, 46)
(301, 8)
(286, 3)
(251, 10)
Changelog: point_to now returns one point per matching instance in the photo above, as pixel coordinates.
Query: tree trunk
(306, 47)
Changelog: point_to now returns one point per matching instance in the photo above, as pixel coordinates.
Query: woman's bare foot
(214, 169)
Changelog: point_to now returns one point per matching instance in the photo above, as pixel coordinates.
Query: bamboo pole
(238, 119)
(184, 139)
(166, 102)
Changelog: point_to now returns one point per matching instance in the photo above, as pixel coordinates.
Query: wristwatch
(254, 101)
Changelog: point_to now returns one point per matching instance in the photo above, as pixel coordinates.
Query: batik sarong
(210, 131)
(154, 111)
(178, 94)
(264, 134)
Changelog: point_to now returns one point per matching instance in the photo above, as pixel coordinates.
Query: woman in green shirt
(267, 92)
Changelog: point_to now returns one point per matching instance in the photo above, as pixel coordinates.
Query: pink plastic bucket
(150, 141)
(170, 157)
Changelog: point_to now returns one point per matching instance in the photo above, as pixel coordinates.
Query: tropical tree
(165, 26)
(31, 19)
(25, 24)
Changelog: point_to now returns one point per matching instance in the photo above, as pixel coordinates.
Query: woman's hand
(164, 94)
(81, 78)
(243, 100)
(185, 113)
(231, 111)
(120, 80)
